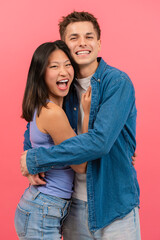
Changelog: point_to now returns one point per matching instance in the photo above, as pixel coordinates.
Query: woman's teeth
(62, 83)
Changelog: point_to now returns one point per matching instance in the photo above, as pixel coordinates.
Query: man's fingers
(42, 174)
(38, 180)
(31, 180)
(23, 165)
(24, 153)
(133, 163)
(35, 179)
(135, 154)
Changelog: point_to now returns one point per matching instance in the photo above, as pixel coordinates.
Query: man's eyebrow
(73, 35)
(90, 33)
(76, 34)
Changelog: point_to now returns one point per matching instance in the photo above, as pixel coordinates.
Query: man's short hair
(78, 17)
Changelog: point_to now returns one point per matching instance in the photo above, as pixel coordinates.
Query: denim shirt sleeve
(117, 102)
(27, 143)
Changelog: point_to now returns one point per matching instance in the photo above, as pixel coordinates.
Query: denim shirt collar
(100, 70)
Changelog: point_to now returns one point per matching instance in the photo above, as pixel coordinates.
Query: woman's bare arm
(53, 120)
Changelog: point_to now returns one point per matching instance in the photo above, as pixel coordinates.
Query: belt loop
(35, 193)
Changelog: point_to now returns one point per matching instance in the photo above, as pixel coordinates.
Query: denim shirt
(112, 186)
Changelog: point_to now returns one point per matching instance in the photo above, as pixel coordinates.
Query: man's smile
(82, 52)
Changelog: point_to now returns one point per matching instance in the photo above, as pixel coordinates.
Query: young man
(108, 207)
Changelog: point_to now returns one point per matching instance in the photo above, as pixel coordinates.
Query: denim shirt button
(75, 108)
(98, 80)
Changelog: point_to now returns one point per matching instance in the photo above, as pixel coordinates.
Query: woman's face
(59, 74)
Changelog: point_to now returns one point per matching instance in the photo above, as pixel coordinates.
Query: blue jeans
(75, 227)
(40, 216)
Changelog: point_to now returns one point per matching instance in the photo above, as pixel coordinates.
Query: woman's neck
(57, 100)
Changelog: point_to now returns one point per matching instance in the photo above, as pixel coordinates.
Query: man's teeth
(82, 52)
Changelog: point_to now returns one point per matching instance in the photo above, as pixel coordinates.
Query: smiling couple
(105, 199)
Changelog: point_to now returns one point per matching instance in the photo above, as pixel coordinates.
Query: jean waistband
(35, 192)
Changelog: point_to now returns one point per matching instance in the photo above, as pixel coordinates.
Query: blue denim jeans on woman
(40, 216)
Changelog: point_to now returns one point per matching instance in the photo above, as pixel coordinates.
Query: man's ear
(99, 43)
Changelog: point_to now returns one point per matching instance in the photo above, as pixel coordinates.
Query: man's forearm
(64, 154)
(94, 144)
(27, 144)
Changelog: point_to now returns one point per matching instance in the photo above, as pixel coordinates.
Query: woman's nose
(63, 71)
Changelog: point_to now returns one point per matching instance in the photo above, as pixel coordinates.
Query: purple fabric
(59, 181)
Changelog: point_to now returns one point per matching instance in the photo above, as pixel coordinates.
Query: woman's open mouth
(62, 84)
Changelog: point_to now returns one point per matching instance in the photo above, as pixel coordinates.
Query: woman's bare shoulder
(52, 110)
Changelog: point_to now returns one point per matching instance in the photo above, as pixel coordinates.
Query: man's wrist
(30, 161)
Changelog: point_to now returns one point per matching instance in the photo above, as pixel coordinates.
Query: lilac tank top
(59, 180)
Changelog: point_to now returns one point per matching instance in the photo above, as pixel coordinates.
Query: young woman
(42, 209)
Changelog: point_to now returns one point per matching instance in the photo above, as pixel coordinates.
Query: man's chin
(83, 61)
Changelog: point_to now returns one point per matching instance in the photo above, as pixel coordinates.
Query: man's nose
(82, 41)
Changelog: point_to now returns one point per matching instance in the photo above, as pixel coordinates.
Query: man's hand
(36, 179)
(134, 159)
(23, 164)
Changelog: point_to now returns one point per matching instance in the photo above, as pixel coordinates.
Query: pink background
(130, 41)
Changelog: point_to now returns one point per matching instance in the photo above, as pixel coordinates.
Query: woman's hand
(86, 101)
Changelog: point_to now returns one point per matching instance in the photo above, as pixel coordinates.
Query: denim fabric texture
(40, 216)
(112, 186)
(127, 228)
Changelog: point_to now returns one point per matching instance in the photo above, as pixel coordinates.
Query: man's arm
(27, 143)
(36, 179)
(115, 108)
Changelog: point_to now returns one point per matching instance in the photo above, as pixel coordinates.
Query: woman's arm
(54, 121)
(86, 102)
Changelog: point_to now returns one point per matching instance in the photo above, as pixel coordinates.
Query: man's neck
(87, 70)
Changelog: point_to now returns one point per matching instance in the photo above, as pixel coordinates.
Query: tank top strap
(35, 114)
(49, 101)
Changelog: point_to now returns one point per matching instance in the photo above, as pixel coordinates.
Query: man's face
(81, 38)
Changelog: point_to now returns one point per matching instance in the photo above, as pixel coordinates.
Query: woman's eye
(53, 66)
(68, 64)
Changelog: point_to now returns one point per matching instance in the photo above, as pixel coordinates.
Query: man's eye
(73, 38)
(89, 37)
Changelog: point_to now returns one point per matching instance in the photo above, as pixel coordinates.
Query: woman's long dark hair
(36, 91)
